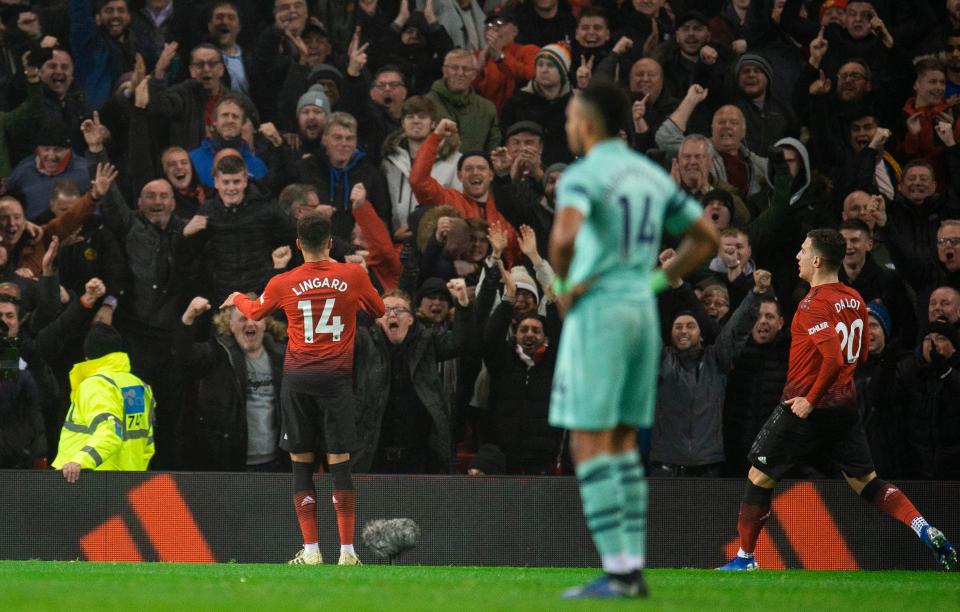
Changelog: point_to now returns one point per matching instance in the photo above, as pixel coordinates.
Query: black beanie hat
(101, 340)
(490, 460)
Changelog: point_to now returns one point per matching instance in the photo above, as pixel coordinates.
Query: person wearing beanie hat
(767, 120)
(878, 313)
(719, 208)
(101, 340)
(330, 78)
(313, 109)
(52, 161)
(544, 101)
(559, 55)
(110, 422)
(433, 301)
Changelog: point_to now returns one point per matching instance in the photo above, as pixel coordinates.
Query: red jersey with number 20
(321, 300)
(829, 337)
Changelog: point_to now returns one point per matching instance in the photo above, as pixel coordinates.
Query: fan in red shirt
(321, 299)
(818, 414)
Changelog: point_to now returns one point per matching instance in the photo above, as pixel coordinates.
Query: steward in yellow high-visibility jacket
(110, 422)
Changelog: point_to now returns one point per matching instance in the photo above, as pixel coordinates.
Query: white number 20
(326, 325)
(848, 337)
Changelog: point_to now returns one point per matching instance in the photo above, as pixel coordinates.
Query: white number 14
(847, 338)
(326, 325)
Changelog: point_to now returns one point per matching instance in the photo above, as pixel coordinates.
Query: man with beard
(854, 82)
(521, 375)
(316, 397)
(103, 46)
(313, 109)
(754, 385)
(689, 59)
(229, 116)
(691, 390)
(767, 120)
(189, 106)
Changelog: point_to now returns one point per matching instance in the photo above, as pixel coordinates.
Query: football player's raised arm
(257, 309)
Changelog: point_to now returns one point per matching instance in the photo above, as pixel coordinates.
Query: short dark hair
(99, 4)
(772, 300)
(313, 230)
(391, 68)
(230, 164)
(594, 11)
(6, 298)
(609, 102)
(830, 245)
(855, 225)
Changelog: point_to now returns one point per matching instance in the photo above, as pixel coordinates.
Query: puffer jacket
(241, 239)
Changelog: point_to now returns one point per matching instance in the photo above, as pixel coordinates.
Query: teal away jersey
(626, 200)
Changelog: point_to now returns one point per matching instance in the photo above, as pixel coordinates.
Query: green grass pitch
(43, 585)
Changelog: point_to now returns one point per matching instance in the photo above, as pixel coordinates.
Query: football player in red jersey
(321, 299)
(818, 413)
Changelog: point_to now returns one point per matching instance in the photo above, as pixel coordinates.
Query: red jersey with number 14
(321, 300)
(828, 339)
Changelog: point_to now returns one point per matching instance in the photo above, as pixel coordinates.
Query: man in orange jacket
(475, 173)
(503, 62)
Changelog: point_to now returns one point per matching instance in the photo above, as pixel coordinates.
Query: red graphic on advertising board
(166, 519)
(812, 534)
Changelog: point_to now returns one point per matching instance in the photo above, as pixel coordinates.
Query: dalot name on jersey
(845, 302)
(316, 283)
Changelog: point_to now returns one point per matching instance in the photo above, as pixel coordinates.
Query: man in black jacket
(243, 227)
(235, 423)
(754, 385)
(521, 376)
(403, 420)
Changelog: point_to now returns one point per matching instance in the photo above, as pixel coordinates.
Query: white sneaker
(347, 558)
(305, 558)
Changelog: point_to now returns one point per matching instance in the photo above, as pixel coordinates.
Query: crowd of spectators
(167, 149)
